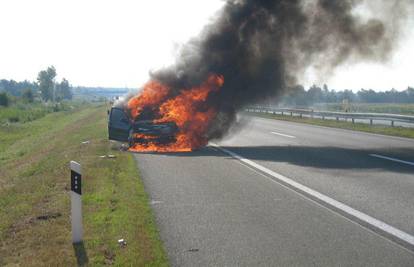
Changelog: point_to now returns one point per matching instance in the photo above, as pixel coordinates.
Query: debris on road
(123, 147)
(154, 202)
(108, 156)
(122, 242)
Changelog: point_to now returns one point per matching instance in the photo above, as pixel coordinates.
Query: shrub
(28, 95)
(14, 119)
(4, 99)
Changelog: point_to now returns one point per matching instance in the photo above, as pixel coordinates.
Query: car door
(118, 125)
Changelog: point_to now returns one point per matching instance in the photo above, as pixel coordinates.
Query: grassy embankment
(35, 201)
(363, 127)
(25, 112)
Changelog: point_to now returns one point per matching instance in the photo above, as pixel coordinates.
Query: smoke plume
(262, 47)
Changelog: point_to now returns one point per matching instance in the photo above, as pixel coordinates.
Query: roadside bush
(23, 111)
(4, 99)
(28, 96)
(14, 119)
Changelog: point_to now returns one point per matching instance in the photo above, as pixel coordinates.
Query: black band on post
(76, 182)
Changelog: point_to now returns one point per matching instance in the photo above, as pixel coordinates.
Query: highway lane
(337, 163)
(212, 210)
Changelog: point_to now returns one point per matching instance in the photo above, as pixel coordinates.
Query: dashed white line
(406, 237)
(392, 159)
(284, 135)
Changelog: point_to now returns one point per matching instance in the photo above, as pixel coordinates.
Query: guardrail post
(76, 201)
(300, 115)
(353, 120)
(392, 123)
(371, 121)
(337, 118)
(282, 113)
(291, 114)
(323, 117)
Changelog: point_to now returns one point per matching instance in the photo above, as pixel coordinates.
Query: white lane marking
(406, 237)
(392, 159)
(284, 135)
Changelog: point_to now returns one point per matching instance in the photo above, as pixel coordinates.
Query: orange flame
(152, 94)
(186, 110)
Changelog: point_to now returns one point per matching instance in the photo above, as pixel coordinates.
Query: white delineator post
(76, 201)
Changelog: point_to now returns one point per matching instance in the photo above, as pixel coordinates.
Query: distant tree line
(104, 91)
(46, 88)
(298, 96)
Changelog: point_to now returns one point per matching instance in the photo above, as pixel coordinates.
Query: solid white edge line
(330, 201)
(392, 159)
(284, 135)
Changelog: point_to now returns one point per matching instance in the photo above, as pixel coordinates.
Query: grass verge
(35, 201)
(377, 129)
(394, 108)
(25, 112)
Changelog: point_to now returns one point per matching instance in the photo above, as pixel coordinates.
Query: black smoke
(262, 47)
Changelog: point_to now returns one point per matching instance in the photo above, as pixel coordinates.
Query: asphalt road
(216, 210)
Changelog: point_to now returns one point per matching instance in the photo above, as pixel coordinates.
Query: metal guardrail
(337, 115)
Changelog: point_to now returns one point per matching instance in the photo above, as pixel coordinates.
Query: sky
(117, 43)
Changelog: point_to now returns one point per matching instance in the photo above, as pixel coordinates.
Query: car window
(118, 117)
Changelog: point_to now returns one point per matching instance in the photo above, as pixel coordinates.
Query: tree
(315, 94)
(295, 96)
(63, 90)
(46, 80)
(16, 88)
(28, 95)
(4, 99)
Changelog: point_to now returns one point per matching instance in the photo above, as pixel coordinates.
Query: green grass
(25, 112)
(377, 129)
(35, 201)
(405, 109)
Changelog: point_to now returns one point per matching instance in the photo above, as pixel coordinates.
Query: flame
(187, 110)
(152, 94)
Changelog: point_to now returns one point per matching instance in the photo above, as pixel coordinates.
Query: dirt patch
(109, 257)
(49, 216)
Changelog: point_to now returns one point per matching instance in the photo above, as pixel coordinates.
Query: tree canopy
(46, 81)
(299, 97)
(63, 90)
(4, 99)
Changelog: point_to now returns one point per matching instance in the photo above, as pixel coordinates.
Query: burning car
(161, 119)
(123, 128)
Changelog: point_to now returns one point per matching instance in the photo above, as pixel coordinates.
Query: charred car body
(122, 128)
